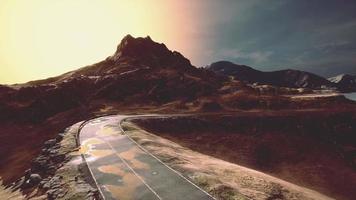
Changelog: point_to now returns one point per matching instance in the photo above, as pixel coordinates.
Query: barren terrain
(223, 180)
(313, 149)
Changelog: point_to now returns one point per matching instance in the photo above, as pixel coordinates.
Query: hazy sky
(313, 35)
(42, 38)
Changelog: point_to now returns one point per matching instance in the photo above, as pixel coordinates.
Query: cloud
(331, 44)
(256, 57)
(318, 36)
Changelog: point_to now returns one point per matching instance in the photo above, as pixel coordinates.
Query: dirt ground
(311, 149)
(221, 179)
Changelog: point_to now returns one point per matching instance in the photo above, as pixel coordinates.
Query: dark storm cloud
(313, 35)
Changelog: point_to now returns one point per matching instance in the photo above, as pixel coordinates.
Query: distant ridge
(345, 82)
(283, 78)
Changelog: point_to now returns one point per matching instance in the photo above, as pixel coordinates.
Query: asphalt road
(124, 170)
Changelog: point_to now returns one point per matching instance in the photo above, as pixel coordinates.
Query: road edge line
(136, 174)
(87, 163)
(146, 151)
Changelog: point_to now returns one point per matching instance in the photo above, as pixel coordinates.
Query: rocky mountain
(145, 73)
(282, 78)
(144, 76)
(132, 55)
(140, 72)
(345, 82)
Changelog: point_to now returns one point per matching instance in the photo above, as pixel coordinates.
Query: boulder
(50, 143)
(34, 179)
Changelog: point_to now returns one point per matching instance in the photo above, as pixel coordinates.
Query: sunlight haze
(42, 38)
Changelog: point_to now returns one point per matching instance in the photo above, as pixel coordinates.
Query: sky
(45, 38)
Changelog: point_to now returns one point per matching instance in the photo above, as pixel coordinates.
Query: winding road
(122, 169)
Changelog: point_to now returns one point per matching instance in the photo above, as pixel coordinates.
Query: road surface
(124, 170)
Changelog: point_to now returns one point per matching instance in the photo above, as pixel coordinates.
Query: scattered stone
(53, 151)
(60, 137)
(48, 176)
(93, 194)
(50, 143)
(27, 173)
(44, 151)
(56, 158)
(56, 193)
(56, 146)
(35, 179)
(40, 163)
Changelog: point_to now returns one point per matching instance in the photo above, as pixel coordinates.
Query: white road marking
(83, 156)
(89, 122)
(120, 119)
(138, 176)
(143, 149)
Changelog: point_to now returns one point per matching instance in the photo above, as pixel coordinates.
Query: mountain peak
(147, 51)
(128, 46)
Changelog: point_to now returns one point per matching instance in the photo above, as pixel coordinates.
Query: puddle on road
(99, 120)
(131, 157)
(113, 169)
(107, 131)
(126, 187)
(88, 147)
(87, 144)
(126, 192)
(101, 153)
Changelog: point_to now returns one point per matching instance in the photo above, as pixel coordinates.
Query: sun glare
(43, 38)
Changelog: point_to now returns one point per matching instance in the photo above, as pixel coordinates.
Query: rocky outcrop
(146, 51)
(58, 173)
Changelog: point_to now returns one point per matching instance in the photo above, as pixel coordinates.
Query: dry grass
(222, 179)
(294, 146)
(6, 193)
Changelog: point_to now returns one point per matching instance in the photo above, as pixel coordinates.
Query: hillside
(346, 82)
(283, 78)
(141, 71)
(142, 76)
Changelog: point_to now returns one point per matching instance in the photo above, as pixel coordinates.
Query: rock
(18, 184)
(35, 179)
(42, 183)
(27, 173)
(40, 163)
(56, 146)
(57, 158)
(92, 194)
(51, 169)
(44, 151)
(59, 137)
(46, 186)
(56, 193)
(50, 143)
(93, 191)
(51, 194)
(53, 151)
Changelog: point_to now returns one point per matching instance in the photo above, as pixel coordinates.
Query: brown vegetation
(314, 149)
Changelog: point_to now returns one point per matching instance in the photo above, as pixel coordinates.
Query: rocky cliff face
(146, 51)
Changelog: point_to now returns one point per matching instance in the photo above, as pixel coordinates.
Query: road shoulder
(221, 179)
